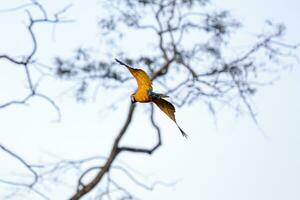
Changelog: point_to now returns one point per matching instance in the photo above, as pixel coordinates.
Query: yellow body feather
(144, 85)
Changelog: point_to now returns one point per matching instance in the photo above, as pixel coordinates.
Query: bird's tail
(182, 132)
(121, 63)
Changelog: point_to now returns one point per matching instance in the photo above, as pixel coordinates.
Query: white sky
(229, 161)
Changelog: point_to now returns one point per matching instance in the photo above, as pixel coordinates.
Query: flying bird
(145, 94)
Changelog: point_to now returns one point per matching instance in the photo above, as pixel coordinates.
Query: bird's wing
(169, 109)
(142, 79)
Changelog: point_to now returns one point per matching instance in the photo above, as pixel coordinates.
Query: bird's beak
(132, 100)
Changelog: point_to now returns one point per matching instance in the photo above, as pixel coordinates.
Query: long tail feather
(182, 132)
(121, 63)
(169, 110)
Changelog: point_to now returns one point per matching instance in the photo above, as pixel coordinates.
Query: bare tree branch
(116, 150)
(200, 71)
(143, 150)
(28, 59)
(21, 160)
(113, 154)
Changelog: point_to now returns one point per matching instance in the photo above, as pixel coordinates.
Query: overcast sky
(226, 158)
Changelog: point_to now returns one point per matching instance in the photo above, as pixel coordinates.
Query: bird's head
(132, 98)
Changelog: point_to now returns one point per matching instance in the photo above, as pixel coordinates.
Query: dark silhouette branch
(143, 150)
(26, 62)
(113, 154)
(140, 183)
(170, 26)
(28, 59)
(116, 149)
(80, 183)
(30, 168)
(197, 72)
(22, 161)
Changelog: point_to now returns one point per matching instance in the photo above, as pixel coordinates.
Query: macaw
(145, 94)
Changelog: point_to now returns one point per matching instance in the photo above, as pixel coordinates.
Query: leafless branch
(197, 72)
(116, 150)
(28, 59)
(26, 62)
(22, 161)
(143, 150)
(30, 168)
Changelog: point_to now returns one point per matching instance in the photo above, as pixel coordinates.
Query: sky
(226, 158)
